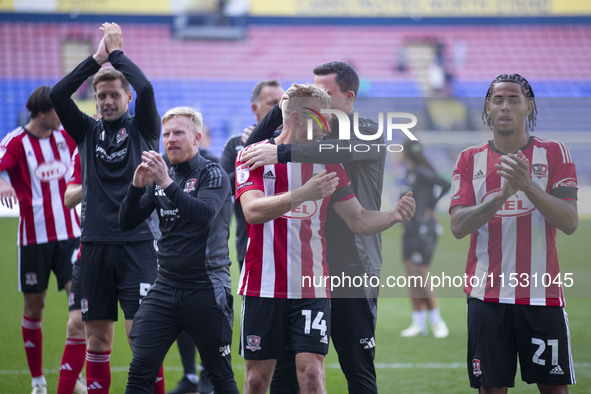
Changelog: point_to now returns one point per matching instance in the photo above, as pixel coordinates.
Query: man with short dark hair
(512, 194)
(116, 265)
(192, 292)
(353, 310)
(35, 162)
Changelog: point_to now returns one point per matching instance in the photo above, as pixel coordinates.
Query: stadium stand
(216, 76)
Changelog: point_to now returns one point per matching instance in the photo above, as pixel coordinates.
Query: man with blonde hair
(285, 206)
(192, 198)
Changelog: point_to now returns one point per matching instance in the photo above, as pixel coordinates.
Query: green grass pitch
(404, 365)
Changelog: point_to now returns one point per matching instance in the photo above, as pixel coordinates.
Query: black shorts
(35, 263)
(74, 297)
(206, 314)
(418, 244)
(112, 272)
(498, 333)
(272, 325)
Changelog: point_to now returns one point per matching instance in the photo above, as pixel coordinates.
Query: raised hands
(101, 56)
(113, 36)
(152, 169)
(112, 40)
(515, 169)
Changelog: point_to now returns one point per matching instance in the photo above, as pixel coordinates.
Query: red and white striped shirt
(75, 174)
(513, 258)
(38, 171)
(280, 252)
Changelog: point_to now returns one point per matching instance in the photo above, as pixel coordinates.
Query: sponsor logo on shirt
(566, 182)
(101, 153)
(190, 185)
(479, 175)
(47, 172)
(244, 185)
(269, 175)
(121, 135)
(516, 205)
(539, 170)
(303, 211)
(253, 343)
(168, 212)
(62, 146)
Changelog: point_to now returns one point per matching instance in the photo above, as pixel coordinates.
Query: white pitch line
(329, 366)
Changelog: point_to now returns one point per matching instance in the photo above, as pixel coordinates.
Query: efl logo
(345, 129)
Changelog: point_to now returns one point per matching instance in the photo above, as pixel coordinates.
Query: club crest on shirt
(242, 174)
(121, 135)
(190, 185)
(539, 170)
(253, 343)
